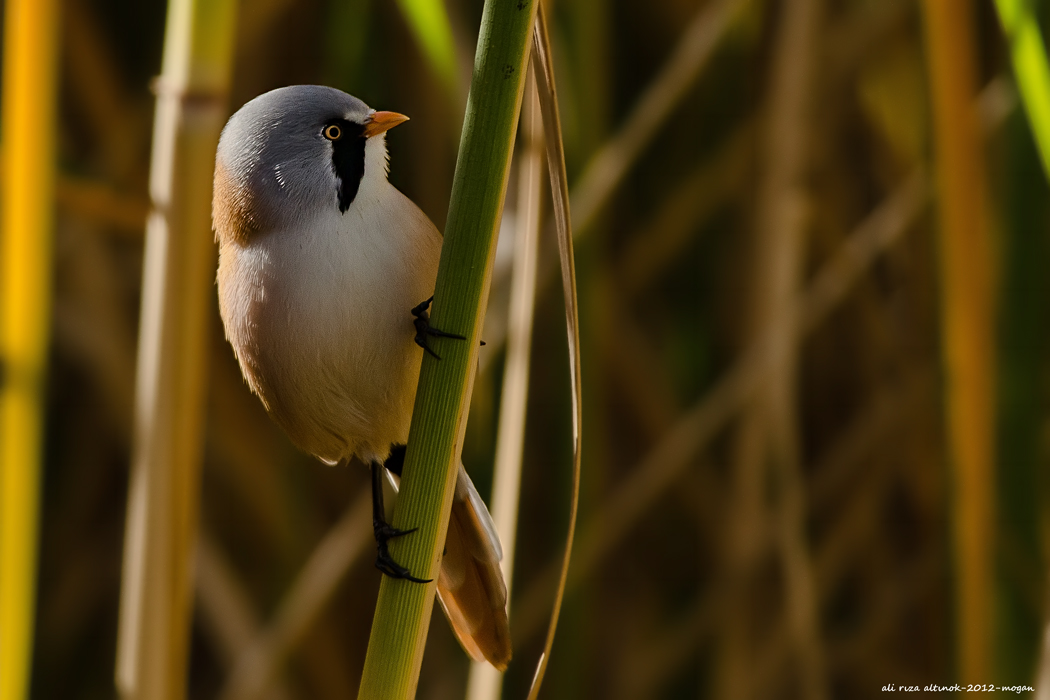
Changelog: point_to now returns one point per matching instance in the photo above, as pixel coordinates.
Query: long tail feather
(470, 585)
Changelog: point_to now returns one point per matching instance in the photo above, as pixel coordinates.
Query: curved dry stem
(543, 69)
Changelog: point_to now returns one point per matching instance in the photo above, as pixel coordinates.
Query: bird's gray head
(290, 152)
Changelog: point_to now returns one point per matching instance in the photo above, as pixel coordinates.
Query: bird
(326, 273)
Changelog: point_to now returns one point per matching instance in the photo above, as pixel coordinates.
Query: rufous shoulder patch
(231, 209)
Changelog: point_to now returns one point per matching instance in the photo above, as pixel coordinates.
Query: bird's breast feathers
(319, 318)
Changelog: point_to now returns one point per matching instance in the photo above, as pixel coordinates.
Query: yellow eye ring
(332, 132)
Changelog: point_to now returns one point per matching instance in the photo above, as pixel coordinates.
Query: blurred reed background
(816, 383)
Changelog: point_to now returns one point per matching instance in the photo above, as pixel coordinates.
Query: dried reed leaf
(543, 69)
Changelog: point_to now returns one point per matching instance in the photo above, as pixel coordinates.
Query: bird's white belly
(326, 335)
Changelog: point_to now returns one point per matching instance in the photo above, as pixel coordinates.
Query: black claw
(385, 532)
(384, 561)
(423, 328)
(386, 564)
(422, 307)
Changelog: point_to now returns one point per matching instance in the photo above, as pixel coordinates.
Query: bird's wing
(470, 584)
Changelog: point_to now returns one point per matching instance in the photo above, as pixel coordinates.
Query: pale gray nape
(284, 162)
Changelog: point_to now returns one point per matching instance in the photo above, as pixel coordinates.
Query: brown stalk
(768, 435)
(968, 325)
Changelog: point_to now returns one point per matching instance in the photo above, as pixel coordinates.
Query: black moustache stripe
(348, 161)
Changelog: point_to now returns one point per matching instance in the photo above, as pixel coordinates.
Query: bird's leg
(384, 531)
(423, 327)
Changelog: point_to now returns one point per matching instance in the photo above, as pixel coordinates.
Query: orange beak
(380, 122)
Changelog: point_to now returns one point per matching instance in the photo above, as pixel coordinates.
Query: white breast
(319, 318)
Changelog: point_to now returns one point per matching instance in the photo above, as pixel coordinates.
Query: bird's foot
(384, 532)
(424, 329)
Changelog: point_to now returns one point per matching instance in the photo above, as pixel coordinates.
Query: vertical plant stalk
(543, 68)
(769, 431)
(968, 326)
(156, 593)
(29, 138)
(1028, 54)
(403, 610)
(484, 682)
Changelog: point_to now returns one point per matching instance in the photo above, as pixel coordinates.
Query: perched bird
(325, 274)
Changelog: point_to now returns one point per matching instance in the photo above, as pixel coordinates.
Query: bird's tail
(470, 584)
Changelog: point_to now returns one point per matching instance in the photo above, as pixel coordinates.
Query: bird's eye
(332, 132)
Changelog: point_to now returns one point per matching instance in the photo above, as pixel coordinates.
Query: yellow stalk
(177, 281)
(29, 97)
(968, 326)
